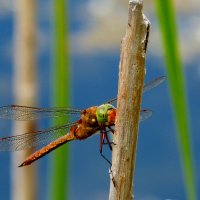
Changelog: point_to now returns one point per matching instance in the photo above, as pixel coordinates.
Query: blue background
(94, 80)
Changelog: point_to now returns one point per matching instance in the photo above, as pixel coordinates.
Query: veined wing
(41, 138)
(147, 87)
(33, 139)
(154, 83)
(25, 113)
(145, 114)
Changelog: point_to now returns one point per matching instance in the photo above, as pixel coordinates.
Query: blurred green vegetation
(167, 21)
(61, 82)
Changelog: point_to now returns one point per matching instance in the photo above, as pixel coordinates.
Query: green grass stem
(61, 76)
(167, 21)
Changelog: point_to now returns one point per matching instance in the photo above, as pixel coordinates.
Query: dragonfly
(91, 121)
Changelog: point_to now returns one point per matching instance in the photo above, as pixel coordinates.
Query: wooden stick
(131, 81)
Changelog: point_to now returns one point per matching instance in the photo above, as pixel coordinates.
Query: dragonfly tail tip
(23, 164)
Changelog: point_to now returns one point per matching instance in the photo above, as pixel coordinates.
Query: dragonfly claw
(112, 177)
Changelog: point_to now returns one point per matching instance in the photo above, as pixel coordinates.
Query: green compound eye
(101, 112)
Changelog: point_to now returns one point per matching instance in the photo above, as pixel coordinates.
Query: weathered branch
(131, 80)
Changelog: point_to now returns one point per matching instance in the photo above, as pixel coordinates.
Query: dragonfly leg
(112, 177)
(107, 131)
(103, 136)
(107, 140)
(101, 141)
(107, 143)
(111, 130)
(106, 159)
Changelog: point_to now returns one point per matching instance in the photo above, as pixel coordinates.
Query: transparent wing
(147, 87)
(41, 138)
(33, 140)
(154, 83)
(23, 113)
(145, 114)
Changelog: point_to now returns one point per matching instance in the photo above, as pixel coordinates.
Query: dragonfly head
(106, 113)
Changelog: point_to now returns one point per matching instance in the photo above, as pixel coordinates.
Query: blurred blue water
(94, 80)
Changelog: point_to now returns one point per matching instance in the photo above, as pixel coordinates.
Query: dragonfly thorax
(102, 112)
